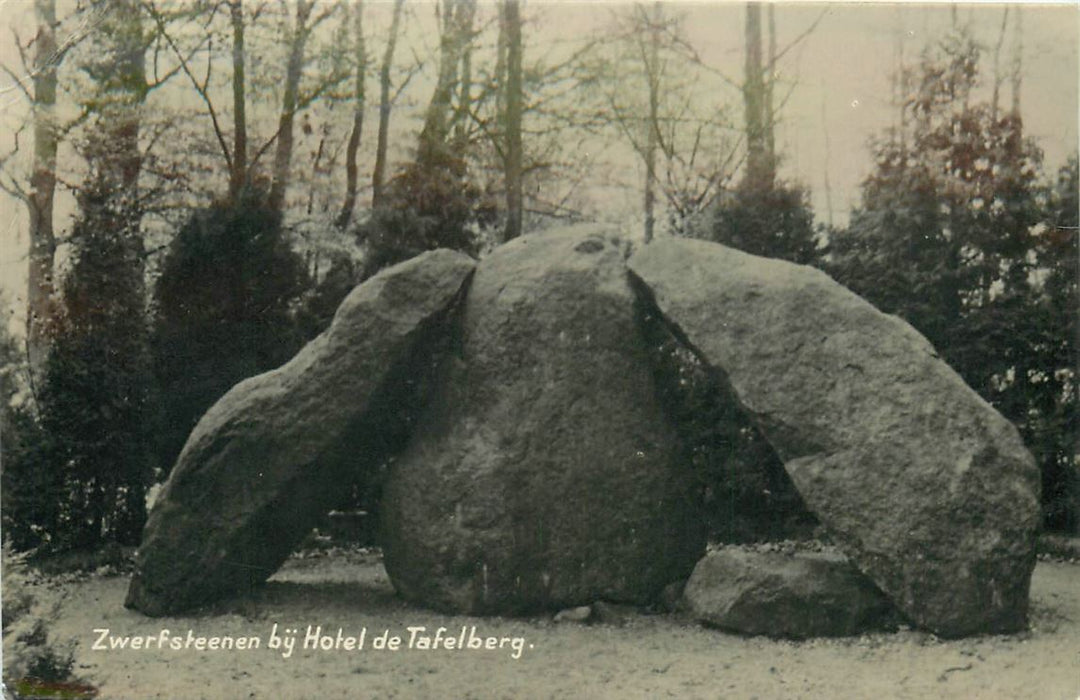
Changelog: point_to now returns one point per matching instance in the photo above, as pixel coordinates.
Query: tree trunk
(435, 118)
(293, 70)
(1018, 53)
(238, 175)
(121, 158)
(455, 36)
(770, 84)
(652, 73)
(899, 81)
(41, 304)
(825, 130)
(352, 173)
(514, 99)
(758, 172)
(464, 101)
(379, 175)
(500, 66)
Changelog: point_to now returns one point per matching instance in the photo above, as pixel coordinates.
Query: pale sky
(840, 73)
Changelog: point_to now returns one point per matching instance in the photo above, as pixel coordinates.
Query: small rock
(779, 595)
(612, 613)
(579, 614)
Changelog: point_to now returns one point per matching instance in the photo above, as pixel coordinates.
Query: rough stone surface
(543, 474)
(779, 595)
(277, 451)
(922, 483)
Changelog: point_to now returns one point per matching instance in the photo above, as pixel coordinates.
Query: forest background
(190, 187)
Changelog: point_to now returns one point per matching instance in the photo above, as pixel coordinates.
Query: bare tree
(653, 96)
(1018, 58)
(996, 99)
(644, 34)
(758, 90)
(454, 38)
(770, 89)
(652, 128)
(241, 158)
(41, 304)
(760, 172)
(898, 80)
(238, 172)
(352, 173)
(298, 37)
(378, 177)
(499, 74)
(825, 163)
(514, 103)
(163, 18)
(462, 119)
(553, 119)
(118, 66)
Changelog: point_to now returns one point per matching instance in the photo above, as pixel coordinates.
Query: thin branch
(209, 63)
(330, 10)
(802, 36)
(26, 62)
(13, 187)
(73, 187)
(496, 142)
(621, 122)
(691, 53)
(18, 81)
(575, 186)
(304, 102)
(84, 114)
(413, 70)
(262, 149)
(572, 60)
(201, 89)
(158, 82)
(556, 209)
(258, 12)
(157, 55)
(787, 97)
(82, 31)
(156, 136)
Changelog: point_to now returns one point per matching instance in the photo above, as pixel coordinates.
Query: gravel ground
(649, 656)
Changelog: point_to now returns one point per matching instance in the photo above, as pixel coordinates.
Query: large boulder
(280, 449)
(543, 475)
(923, 484)
(805, 594)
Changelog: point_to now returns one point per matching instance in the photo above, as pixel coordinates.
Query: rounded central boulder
(543, 474)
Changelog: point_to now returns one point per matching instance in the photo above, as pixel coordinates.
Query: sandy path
(653, 656)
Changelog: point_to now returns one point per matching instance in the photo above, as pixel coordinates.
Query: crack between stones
(647, 298)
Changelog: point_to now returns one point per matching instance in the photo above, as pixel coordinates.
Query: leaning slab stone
(276, 452)
(543, 475)
(778, 595)
(923, 484)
